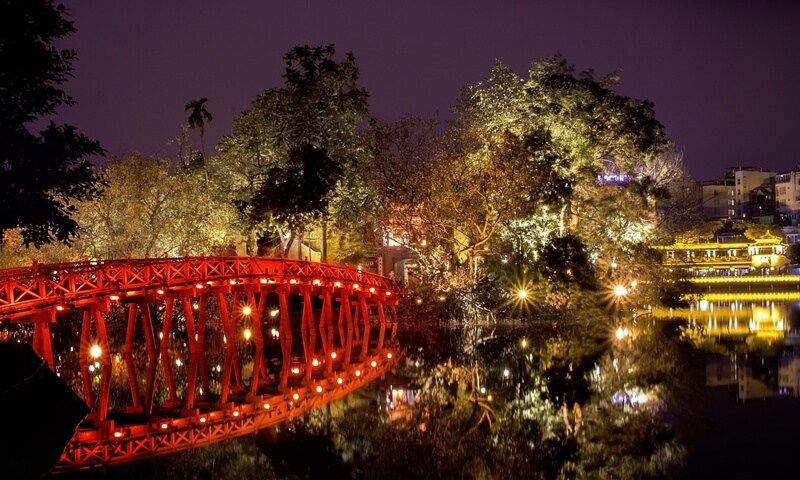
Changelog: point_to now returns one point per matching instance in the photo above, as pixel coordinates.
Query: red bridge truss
(191, 325)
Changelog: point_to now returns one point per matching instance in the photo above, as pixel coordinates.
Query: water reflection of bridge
(191, 325)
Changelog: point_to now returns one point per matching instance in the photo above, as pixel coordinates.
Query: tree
(289, 151)
(147, 210)
(521, 162)
(42, 174)
(198, 116)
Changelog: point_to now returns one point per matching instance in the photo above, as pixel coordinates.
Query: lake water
(707, 392)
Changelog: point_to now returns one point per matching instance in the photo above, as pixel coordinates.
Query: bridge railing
(41, 286)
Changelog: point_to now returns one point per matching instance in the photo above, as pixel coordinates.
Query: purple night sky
(723, 75)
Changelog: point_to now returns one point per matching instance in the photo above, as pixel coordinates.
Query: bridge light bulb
(95, 351)
(247, 333)
(246, 310)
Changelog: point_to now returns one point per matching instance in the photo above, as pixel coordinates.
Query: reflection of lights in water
(622, 333)
(703, 304)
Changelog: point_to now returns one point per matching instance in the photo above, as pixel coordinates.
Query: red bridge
(190, 325)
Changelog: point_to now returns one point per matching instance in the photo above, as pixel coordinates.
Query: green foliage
(289, 151)
(148, 211)
(42, 175)
(198, 116)
(564, 260)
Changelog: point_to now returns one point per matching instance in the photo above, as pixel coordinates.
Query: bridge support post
(164, 347)
(285, 334)
(100, 405)
(259, 369)
(128, 354)
(42, 342)
(362, 305)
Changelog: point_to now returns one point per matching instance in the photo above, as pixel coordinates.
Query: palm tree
(198, 117)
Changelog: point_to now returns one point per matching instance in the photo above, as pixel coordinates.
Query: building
(787, 197)
(743, 193)
(718, 198)
(728, 258)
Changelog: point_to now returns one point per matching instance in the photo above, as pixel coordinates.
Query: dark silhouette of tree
(42, 174)
(198, 116)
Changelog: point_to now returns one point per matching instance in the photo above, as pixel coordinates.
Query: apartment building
(787, 196)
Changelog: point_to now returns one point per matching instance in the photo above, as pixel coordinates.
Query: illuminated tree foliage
(289, 151)
(519, 169)
(44, 174)
(148, 211)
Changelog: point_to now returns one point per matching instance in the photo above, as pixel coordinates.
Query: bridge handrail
(46, 285)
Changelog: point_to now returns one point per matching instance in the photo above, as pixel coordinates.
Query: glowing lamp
(246, 310)
(319, 389)
(333, 354)
(160, 291)
(95, 351)
(389, 355)
(339, 380)
(266, 406)
(522, 294)
(247, 334)
(374, 364)
(358, 373)
(296, 396)
(315, 362)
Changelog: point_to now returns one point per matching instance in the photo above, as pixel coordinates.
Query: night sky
(723, 75)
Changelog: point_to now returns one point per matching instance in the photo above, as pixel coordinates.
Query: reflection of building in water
(752, 375)
(736, 321)
(789, 370)
(762, 341)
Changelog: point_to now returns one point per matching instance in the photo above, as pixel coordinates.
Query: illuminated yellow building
(762, 256)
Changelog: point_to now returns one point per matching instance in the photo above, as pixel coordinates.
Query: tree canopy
(289, 151)
(42, 174)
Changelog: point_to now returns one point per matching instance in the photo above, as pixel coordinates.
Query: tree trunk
(324, 248)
